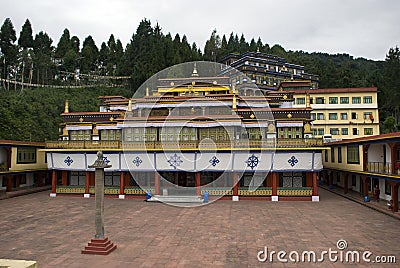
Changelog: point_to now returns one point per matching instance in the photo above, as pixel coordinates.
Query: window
(80, 135)
(110, 134)
(111, 179)
(333, 155)
(334, 131)
(326, 155)
(319, 100)
(320, 116)
(26, 155)
(77, 178)
(314, 131)
(339, 154)
(353, 156)
(343, 116)
(333, 100)
(367, 115)
(300, 101)
(344, 100)
(312, 116)
(368, 131)
(22, 179)
(332, 116)
(345, 131)
(354, 115)
(311, 100)
(356, 100)
(355, 131)
(320, 131)
(388, 188)
(368, 99)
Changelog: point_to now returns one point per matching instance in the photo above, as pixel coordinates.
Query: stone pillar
(87, 184)
(121, 185)
(275, 184)
(235, 196)
(64, 175)
(100, 244)
(395, 196)
(156, 183)
(53, 183)
(315, 196)
(346, 183)
(198, 183)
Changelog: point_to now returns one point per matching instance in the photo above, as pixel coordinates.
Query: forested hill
(33, 113)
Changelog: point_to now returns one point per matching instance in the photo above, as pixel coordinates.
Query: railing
(187, 145)
(383, 167)
(303, 191)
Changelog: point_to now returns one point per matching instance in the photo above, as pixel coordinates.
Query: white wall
(375, 153)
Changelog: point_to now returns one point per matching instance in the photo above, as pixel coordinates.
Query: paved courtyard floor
(53, 231)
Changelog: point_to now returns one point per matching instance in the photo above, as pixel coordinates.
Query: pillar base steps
(100, 246)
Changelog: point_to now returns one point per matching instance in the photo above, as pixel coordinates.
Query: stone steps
(176, 199)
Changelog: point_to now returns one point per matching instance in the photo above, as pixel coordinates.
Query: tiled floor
(53, 231)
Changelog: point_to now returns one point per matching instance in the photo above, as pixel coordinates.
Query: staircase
(176, 199)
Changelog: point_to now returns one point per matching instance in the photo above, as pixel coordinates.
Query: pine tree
(7, 47)
(25, 37)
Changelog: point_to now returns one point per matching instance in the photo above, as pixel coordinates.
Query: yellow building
(341, 113)
(22, 166)
(361, 164)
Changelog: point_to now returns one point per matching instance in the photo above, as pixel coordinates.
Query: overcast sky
(362, 28)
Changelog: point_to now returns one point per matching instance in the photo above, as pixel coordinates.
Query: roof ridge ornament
(195, 73)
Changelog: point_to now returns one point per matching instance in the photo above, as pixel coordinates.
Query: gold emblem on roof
(289, 116)
(252, 116)
(81, 119)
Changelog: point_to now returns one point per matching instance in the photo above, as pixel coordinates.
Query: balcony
(264, 144)
(383, 167)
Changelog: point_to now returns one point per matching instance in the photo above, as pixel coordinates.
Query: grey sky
(362, 28)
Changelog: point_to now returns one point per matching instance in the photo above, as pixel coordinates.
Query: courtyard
(53, 231)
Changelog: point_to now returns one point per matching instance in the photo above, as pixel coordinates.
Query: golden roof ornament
(66, 107)
(195, 74)
(130, 105)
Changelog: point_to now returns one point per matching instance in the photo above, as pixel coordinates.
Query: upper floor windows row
(341, 100)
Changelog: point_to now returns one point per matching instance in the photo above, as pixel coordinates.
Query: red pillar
(395, 196)
(17, 181)
(198, 184)
(235, 184)
(87, 182)
(365, 157)
(9, 183)
(156, 183)
(121, 182)
(393, 157)
(346, 183)
(40, 179)
(330, 178)
(274, 183)
(64, 178)
(127, 179)
(53, 181)
(314, 184)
